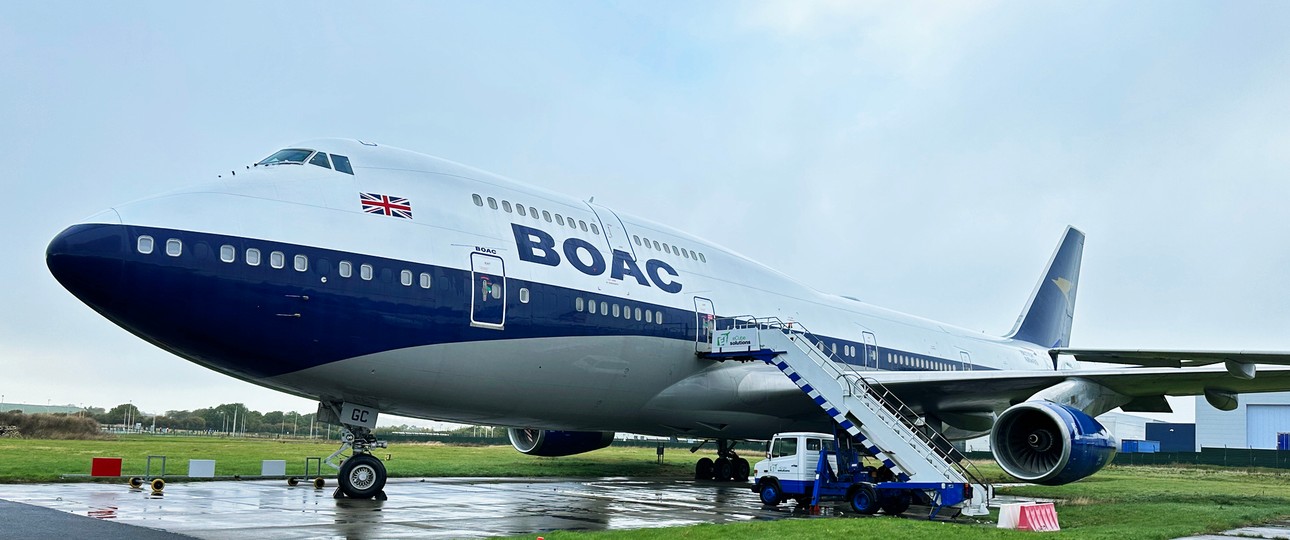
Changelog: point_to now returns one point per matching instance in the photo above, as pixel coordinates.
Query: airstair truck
(915, 464)
(810, 468)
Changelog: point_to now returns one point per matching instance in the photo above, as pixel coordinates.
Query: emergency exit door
(488, 285)
(705, 319)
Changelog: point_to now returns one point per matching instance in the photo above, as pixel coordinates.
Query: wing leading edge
(1241, 364)
(1174, 359)
(985, 391)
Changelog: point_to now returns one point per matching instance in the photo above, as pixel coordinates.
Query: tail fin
(1048, 315)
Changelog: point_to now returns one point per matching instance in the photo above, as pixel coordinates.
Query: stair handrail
(867, 385)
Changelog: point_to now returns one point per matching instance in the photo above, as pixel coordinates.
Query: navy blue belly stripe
(259, 321)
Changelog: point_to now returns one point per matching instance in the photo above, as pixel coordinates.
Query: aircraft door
(705, 320)
(615, 233)
(870, 351)
(967, 360)
(488, 291)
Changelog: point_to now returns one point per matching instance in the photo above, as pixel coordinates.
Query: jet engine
(1050, 444)
(542, 442)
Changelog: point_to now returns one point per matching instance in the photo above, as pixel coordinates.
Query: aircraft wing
(1150, 358)
(969, 392)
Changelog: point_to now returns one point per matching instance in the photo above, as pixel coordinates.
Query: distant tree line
(237, 418)
(226, 418)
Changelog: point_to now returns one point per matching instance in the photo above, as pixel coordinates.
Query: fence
(1223, 457)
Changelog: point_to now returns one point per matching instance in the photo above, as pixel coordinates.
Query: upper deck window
(289, 155)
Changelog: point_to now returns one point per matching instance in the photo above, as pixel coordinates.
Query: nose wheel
(362, 475)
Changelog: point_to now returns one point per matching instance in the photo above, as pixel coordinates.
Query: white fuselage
(474, 312)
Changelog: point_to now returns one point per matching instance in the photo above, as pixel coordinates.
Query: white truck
(808, 467)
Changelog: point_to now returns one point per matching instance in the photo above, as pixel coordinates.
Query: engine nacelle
(542, 442)
(1050, 444)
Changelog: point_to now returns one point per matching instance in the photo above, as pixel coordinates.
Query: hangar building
(1254, 424)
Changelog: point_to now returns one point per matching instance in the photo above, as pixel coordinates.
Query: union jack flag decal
(375, 203)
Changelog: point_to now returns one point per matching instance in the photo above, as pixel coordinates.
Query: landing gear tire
(770, 493)
(742, 470)
(362, 476)
(863, 499)
(703, 469)
(723, 470)
(896, 505)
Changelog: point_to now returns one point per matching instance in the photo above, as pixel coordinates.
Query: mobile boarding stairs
(863, 410)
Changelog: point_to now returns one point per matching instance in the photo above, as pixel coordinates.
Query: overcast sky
(923, 157)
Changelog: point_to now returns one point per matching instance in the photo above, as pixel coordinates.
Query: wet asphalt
(416, 508)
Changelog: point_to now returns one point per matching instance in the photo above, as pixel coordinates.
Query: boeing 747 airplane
(378, 280)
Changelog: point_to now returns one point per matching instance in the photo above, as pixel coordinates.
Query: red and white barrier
(1029, 517)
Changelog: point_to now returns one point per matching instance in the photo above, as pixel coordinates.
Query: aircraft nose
(88, 260)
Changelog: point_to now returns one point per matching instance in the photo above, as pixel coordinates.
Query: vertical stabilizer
(1047, 318)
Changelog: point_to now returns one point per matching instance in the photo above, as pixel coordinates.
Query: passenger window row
(917, 362)
(531, 211)
(627, 313)
(673, 249)
(277, 259)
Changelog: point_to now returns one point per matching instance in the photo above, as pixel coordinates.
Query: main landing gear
(727, 467)
(361, 475)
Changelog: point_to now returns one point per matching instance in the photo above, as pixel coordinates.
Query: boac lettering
(653, 266)
(594, 267)
(625, 266)
(531, 241)
(538, 246)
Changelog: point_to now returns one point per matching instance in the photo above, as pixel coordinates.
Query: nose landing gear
(361, 475)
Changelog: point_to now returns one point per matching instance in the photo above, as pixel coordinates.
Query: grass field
(1119, 502)
(37, 460)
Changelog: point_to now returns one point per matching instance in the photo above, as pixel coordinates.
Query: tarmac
(1278, 529)
(416, 508)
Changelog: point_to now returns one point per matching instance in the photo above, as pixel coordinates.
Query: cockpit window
(300, 156)
(342, 164)
(320, 159)
(290, 155)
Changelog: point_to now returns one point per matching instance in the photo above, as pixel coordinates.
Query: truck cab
(790, 465)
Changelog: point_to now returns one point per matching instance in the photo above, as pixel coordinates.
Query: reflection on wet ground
(421, 508)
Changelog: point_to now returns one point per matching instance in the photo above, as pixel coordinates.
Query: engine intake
(542, 442)
(1050, 444)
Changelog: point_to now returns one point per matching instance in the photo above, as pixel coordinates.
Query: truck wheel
(703, 469)
(896, 505)
(770, 492)
(863, 499)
